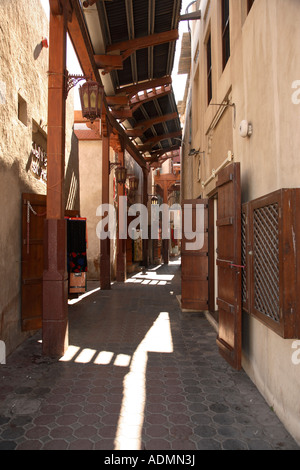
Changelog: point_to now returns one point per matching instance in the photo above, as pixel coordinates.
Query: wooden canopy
(130, 47)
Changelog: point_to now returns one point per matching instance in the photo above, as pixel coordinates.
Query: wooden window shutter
(270, 241)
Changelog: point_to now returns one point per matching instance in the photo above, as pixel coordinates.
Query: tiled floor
(139, 374)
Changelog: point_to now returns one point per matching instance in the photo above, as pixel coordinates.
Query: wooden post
(121, 249)
(145, 202)
(55, 278)
(165, 243)
(105, 275)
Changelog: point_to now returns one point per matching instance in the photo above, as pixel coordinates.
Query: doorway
(213, 256)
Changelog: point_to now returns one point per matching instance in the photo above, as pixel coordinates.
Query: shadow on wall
(38, 49)
(13, 183)
(72, 183)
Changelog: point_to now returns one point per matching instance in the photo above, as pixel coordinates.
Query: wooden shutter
(272, 281)
(229, 265)
(194, 263)
(33, 216)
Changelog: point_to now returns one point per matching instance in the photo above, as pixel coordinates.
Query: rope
(30, 209)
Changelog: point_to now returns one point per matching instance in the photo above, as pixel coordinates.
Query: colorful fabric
(77, 246)
(77, 262)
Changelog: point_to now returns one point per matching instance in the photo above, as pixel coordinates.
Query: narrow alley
(138, 375)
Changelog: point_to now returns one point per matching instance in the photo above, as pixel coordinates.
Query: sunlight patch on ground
(104, 358)
(83, 296)
(150, 277)
(157, 340)
(129, 431)
(122, 360)
(70, 354)
(85, 356)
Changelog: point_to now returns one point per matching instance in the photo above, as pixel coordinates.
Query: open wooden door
(229, 265)
(194, 260)
(33, 217)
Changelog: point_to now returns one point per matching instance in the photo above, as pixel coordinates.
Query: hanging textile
(138, 247)
(77, 245)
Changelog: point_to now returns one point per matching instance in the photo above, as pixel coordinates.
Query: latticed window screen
(266, 261)
(244, 259)
(271, 256)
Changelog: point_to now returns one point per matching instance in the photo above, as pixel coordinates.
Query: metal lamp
(91, 97)
(121, 174)
(136, 184)
(133, 183)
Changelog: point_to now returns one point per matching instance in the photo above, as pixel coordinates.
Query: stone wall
(258, 79)
(23, 109)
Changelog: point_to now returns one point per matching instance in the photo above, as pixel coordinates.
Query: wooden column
(55, 278)
(105, 275)
(165, 243)
(145, 202)
(121, 248)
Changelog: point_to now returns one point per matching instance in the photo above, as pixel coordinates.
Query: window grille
(266, 261)
(270, 254)
(244, 247)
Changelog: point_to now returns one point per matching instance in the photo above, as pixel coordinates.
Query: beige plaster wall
(90, 176)
(23, 71)
(90, 170)
(264, 63)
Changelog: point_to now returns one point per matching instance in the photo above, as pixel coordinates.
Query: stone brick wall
(23, 105)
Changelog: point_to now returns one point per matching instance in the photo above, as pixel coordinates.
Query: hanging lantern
(121, 175)
(91, 97)
(154, 201)
(133, 183)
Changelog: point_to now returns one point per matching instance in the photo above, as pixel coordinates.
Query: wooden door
(33, 217)
(229, 265)
(194, 262)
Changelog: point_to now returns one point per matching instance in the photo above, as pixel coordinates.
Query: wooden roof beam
(122, 113)
(150, 95)
(84, 51)
(56, 7)
(127, 48)
(117, 101)
(81, 42)
(144, 125)
(141, 127)
(109, 62)
(137, 101)
(147, 146)
(133, 90)
(170, 152)
(144, 42)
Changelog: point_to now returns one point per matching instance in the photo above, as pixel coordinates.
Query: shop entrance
(213, 274)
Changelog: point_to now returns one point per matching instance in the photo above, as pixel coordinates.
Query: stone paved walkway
(138, 375)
